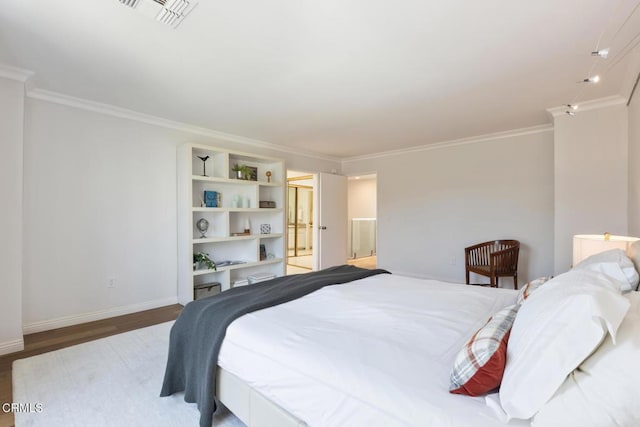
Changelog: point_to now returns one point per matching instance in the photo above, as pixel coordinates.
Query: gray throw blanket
(196, 336)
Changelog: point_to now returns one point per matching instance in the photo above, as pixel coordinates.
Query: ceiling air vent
(130, 3)
(169, 12)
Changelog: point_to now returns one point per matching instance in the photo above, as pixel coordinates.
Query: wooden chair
(495, 259)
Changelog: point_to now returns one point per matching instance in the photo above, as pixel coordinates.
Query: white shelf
(223, 239)
(234, 181)
(198, 209)
(209, 178)
(225, 220)
(197, 241)
(238, 266)
(276, 210)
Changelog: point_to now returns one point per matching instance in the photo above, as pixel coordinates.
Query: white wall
(362, 198)
(100, 204)
(591, 173)
(11, 125)
(634, 165)
(434, 203)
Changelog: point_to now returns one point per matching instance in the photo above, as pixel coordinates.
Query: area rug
(113, 381)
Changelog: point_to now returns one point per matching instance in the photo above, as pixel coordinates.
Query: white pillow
(603, 391)
(556, 329)
(613, 263)
(531, 286)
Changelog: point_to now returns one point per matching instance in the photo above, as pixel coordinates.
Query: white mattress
(374, 352)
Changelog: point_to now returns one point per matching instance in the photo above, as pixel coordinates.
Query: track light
(594, 79)
(572, 106)
(602, 53)
(570, 113)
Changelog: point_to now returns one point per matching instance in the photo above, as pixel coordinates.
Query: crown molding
(455, 142)
(13, 73)
(594, 104)
(123, 113)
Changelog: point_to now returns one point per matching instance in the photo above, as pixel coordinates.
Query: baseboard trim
(11, 346)
(61, 322)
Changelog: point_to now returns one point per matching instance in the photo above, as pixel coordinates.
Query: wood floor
(365, 262)
(56, 339)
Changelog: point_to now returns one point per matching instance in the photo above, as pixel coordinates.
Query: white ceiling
(337, 77)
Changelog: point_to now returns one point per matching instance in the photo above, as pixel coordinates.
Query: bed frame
(253, 409)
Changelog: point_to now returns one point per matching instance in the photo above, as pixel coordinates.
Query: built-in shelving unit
(239, 207)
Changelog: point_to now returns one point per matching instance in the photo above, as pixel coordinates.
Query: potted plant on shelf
(242, 171)
(200, 259)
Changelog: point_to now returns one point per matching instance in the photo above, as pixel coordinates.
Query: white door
(330, 220)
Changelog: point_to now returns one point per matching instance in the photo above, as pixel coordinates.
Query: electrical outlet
(111, 283)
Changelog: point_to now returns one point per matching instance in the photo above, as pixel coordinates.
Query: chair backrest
(504, 254)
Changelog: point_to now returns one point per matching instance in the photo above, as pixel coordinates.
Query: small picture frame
(265, 228)
(263, 252)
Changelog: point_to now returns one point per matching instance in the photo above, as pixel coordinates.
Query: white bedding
(374, 352)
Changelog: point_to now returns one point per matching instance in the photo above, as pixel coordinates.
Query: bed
(375, 351)
(328, 346)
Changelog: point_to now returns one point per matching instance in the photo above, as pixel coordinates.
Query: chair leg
(515, 281)
(467, 274)
(493, 281)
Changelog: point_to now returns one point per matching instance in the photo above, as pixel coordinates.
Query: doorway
(363, 224)
(300, 210)
(320, 235)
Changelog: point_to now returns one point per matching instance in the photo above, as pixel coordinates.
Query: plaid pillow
(528, 289)
(479, 366)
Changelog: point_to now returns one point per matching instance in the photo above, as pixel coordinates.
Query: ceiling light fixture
(572, 106)
(594, 79)
(602, 53)
(570, 113)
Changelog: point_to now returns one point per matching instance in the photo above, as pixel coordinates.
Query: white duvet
(374, 352)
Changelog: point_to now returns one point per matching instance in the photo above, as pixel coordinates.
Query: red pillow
(479, 366)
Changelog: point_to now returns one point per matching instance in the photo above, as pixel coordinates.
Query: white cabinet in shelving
(236, 209)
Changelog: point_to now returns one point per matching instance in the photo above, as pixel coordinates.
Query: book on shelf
(228, 262)
(212, 199)
(240, 282)
(267, 204)
(260, 277)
